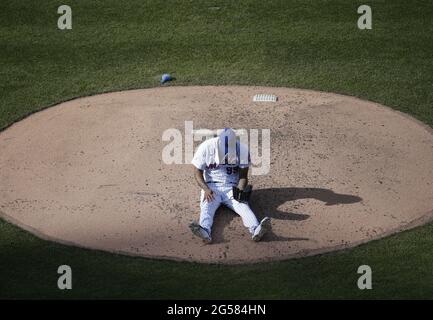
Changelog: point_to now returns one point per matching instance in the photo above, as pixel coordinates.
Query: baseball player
(221, 170)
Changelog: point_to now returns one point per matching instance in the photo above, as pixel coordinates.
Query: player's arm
(198, 174)
(243, 178)
(244, 163)
(208, 193)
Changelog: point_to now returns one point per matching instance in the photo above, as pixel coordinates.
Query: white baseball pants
(224, 195)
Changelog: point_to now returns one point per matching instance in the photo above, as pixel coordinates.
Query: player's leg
(208, 209)
(207, 212)
(249, 219)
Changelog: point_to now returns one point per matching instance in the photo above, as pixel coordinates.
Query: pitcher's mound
(89, 172)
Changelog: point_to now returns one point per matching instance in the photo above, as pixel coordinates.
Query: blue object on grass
(166, 77)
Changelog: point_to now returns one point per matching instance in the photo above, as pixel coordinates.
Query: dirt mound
(89, 172)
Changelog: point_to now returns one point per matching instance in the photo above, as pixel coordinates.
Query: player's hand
(208, 195)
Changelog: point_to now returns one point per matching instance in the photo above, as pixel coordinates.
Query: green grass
(401, 264)
(312, 44)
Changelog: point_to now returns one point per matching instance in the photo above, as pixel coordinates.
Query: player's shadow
(265, 202)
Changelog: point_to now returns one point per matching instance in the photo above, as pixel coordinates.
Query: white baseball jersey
(226, 174)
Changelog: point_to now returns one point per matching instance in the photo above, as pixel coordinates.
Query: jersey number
(231, 170)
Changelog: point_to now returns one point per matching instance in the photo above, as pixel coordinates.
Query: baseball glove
(242, 195)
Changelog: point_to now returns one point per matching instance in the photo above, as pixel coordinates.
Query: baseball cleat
(263, 227)
(200, 232)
